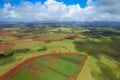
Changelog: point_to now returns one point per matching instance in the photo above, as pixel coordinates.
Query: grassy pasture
(104, 62)
(7, 38)
(64, 45)
(61, 29)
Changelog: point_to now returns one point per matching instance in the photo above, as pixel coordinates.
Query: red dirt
(7, 34)
(71, 78)
(42, 37)
(14, 70)
(37, 38)
(6, 47)
(81, 66)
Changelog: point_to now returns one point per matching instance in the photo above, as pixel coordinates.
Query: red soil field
(48, 37)
(71, 78)
(6, 47)
(7, 34)
(14, 70)
(42, 37)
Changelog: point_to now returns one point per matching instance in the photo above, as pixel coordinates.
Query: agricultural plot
(48, 67)
(7, 38)
(7, 34)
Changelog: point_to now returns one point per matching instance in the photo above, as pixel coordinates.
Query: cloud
(101, 10)
(107, 9)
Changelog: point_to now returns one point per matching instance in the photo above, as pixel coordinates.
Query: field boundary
(81, 66)
(18, 67)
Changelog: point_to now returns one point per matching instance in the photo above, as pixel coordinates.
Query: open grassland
(104, 62)
(7, 38)
(101, 68)
(65, 45)
(27, 44)
(36, 48)
(61, 29)
(104, 59)
(103, 50)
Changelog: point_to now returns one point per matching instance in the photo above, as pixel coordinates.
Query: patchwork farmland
(60, 66)
(59, 52)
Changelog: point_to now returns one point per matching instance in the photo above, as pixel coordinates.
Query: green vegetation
(103, 64)
(16, 51)
(61, 30)
(26, 75)
(101, 44)
(42, 49)
(7, 38)
(64, 66)
(50, 67)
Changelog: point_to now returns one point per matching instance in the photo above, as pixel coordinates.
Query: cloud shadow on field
(105, 73)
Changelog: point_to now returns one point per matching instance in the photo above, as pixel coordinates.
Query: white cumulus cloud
(101, 10)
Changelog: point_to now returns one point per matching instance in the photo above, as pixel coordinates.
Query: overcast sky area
(60, 10)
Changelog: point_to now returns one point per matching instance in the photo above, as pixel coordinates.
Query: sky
(60, 10)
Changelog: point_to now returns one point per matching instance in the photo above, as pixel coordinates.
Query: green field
(101, 44)
(7, 38)
(50, 68)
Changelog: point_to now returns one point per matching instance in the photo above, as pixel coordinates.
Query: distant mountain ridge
(84, 24)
